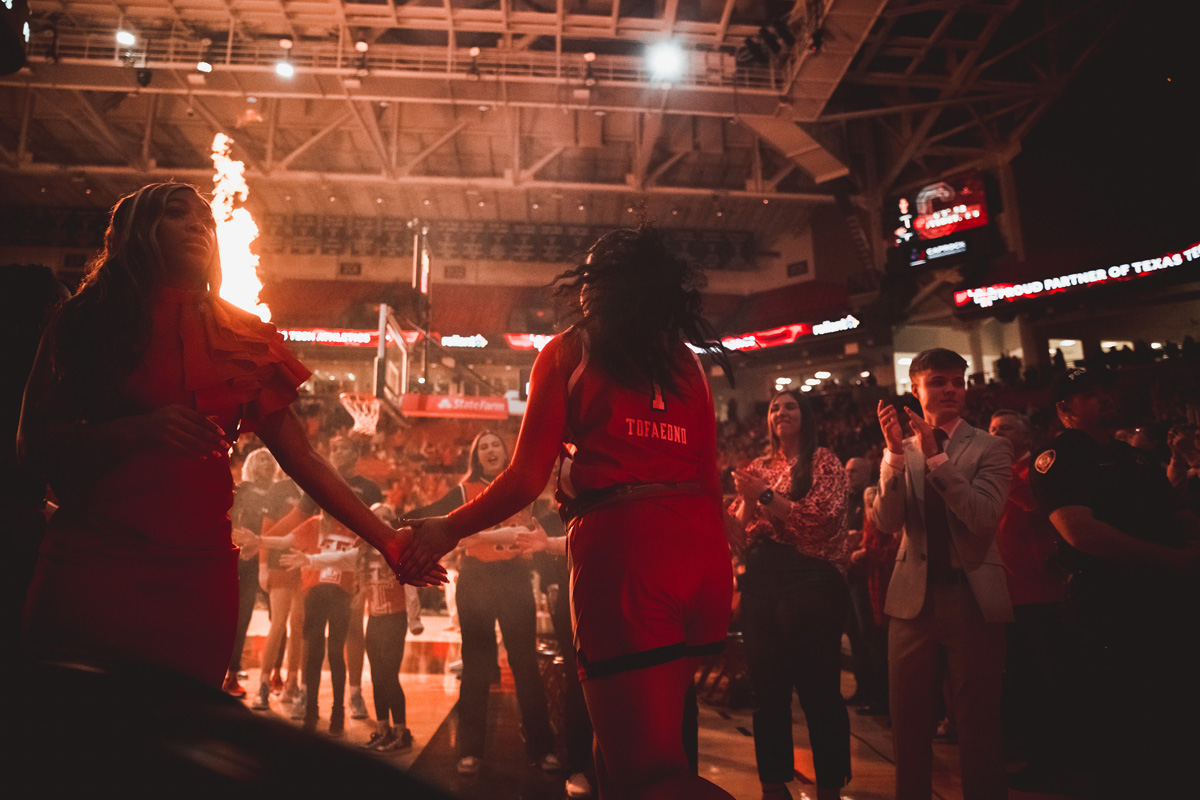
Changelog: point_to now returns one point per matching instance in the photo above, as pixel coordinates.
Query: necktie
(937, 526)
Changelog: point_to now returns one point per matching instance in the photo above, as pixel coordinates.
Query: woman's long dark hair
(474, 467)
(642, 298)
(802, 470)
(102, 331)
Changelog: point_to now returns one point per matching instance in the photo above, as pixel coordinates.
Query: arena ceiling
(491, 110)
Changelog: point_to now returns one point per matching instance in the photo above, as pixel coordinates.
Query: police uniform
(1132, 624)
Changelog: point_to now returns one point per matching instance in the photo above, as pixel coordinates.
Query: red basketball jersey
(619, 435)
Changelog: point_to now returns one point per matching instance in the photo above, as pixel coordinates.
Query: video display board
(941, 223)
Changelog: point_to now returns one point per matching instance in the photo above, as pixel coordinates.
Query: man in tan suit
(948, 603)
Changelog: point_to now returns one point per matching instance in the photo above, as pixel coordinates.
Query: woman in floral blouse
(791, 505)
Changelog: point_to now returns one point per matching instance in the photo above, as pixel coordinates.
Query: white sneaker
(469, 765)
(358, 706)
(300, 704)
(579, 786)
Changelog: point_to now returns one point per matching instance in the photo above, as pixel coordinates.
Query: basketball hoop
(364, 408)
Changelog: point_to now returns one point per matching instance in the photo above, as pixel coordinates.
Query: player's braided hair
(642, 298)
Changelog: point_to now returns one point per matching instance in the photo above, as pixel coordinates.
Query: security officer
(1134, 554)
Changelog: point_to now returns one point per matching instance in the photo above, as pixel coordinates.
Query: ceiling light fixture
(126, 38)
(666, 61)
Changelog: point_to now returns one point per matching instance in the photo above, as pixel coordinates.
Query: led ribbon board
(987, 296)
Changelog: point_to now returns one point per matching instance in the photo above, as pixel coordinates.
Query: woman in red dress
(141, 385)
(628, 407)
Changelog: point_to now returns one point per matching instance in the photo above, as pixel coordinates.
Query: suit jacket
(974, 483)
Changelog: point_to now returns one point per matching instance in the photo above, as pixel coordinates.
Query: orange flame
(235, 231)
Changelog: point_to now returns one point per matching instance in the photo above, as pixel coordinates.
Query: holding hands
(420, 544)
(533, 540)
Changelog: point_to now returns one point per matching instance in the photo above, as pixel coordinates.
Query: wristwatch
(767, 497)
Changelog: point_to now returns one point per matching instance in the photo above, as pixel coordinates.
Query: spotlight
(126, 38)
(144, 76)
(666, 61)
(362, 46)
(784, 32)
(535, 205)
(581, 207)
(286, 42)
(823, 375)
(769, 38)
(473, 68)
(766, 201)
(589, 78)
(284, 69)
(205, 62)
(752, 52)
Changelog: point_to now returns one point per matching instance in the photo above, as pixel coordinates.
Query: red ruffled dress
(137, 565)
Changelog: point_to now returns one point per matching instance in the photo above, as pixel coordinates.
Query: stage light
(784, 32)
(823, 375)
(205, 62)
(864, 374)
(666, 61)
(284, 69)
(806, 388)
(769, 38)
(535, 205)
(752, 52)
(812, 382)
(581, 207)
(766, 201)
(126, 38)
(286, 42)
(589, 78)
(362, 46)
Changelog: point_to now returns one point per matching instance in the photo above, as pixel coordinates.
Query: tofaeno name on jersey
(656, 430)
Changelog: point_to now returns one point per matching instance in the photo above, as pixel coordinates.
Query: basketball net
(364, 408)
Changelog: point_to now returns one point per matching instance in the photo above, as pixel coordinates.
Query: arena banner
(442, 405)
(987, 296)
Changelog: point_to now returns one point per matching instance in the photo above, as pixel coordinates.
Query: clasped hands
(893, 434)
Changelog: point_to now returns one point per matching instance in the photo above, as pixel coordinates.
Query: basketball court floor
(726, 743)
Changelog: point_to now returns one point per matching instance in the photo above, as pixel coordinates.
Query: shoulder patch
(1044, 462)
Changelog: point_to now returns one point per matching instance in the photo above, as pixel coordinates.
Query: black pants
(325, 604)
(384, 642)
(487, 593)
(793, 611)
(870, 652)
(1132, 655)
(247, 596)
(1033, 687)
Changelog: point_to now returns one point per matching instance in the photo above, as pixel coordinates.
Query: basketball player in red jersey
(627, 406)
